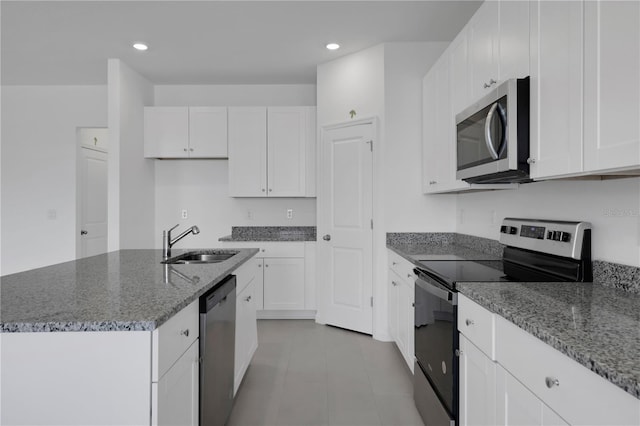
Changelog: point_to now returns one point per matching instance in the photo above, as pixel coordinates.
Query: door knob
(83, 232)
(327, 237)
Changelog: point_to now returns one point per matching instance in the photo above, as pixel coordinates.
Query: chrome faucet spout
(168, 242)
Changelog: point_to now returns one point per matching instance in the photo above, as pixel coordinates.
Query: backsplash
(271, 233)
(618, 276)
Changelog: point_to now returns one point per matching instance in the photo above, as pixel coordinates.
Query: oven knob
(513, 230)
(565, 237)
(503, 229)
(549, 235)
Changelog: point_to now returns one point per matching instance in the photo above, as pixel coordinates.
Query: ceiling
(207, 42)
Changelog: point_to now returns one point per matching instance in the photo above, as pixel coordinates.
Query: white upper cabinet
(556, 88)
(208, 132)
(483, 31)
(458, 53)
(612, 85)
(498, 45)
(248, 151)
(272, 151)
(185, 132)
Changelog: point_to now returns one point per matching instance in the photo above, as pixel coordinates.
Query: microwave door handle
(503, 120)
(487, 132)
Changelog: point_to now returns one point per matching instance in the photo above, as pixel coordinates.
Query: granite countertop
(271, 233)
(592, 323)
(126, 290)
(599, 327)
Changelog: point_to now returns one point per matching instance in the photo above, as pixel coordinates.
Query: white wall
(39, 170)
(201, 186)
(385, 81)
(612, 207)
(131, 176)
(406, 208)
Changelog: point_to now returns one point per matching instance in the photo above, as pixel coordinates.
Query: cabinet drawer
(579, 396)
(173, 338)
(271, 249)
(401, 266)
(477, 324)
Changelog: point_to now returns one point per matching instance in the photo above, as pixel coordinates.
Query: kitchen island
(90, 341)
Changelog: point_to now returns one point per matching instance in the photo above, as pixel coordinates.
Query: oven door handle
(438, 292)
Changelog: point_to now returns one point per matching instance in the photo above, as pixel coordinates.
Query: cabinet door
(246, 333)
(175, 396)
(208, 132)
(514, 39)
(405, 337)
(287, 139)
(477, 386)
(392, 304)
(518, 406)
(556, 88)
(612, 85)
(166, 132)
(247, 151)
(283, 283)
(458, 52)
(483, 49)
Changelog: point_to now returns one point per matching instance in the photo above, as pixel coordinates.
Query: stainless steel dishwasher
(217, 352)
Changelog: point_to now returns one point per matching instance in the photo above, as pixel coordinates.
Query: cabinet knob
(262, 250)
(433, 182)
(263, 190)
(266, 266)
(551, 382)
(185, 333)
(247, 299)
(394, 283)
(469, 322)
(531, 160)
(458, 352)
(184, 149)
(394, 263)
(191, 149)
(259, 266)
(83, 232)
(409, 276)
(270, 190)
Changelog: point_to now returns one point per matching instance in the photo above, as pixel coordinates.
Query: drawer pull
(551, 382)
(247, 299)
(469, 322)
(185, 333)
(394, 263)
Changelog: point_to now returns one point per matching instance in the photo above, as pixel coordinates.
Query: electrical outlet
(289, 213)
(185, 214)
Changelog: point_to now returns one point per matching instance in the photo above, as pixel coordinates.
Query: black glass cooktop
(450, 272)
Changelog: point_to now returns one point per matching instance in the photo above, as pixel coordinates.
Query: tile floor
(309, 374)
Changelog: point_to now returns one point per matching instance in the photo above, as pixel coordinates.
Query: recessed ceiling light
(140, 46)
(333, 46)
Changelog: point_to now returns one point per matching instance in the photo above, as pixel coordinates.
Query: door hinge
(370, 145)
(371, 223)
(372, 302)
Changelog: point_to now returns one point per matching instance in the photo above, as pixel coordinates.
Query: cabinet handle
(184, 149)
(263, 190)
(185, 333)
(551, 382)
(491, 83)
(270, 190)
(83, 232)
(393, 263)
(409, 276)
(469, 322)
(262, 250)
(459, 352)
(433, 182)
(394, 283)
(266, 266)
(259, 266)
(191, 149)
(531, 160)
(247, 299)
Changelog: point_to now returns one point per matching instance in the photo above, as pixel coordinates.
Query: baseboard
(286, 314)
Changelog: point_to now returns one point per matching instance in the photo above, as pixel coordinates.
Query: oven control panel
(562, 238)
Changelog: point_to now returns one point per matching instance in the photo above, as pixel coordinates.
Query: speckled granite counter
(271, 233)
(593, 323)
(599, 327)
(123, 290)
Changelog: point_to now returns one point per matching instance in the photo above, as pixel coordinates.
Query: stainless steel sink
(205, 256)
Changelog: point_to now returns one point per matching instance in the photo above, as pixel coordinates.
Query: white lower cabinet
(400, 293)
(477, 386)
(529, 383)
(285, 279)
(174, 397)
(518, 406)
(246, 332)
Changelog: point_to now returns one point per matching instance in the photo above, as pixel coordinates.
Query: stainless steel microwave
(492, 136)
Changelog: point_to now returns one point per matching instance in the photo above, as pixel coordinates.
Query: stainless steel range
(536, 251)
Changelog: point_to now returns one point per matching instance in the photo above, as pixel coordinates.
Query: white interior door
(346, 208)
(93, 202)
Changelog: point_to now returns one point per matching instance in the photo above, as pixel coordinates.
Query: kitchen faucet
(168, 242)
